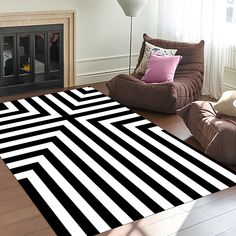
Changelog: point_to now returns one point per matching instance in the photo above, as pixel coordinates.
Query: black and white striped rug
(90, 164)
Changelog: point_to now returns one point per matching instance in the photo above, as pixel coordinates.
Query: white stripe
(111, 206)
(126, 194)
(78, 111)
(179, 158)
(122, 169)
(81, 95)
(196, 155)
(142, 166)
(80, 103)
(10, 106)
(52, 112)
(87, 88)
(32, 129)
(75, 197)
(173, 171)
(52, 202)
(25, 140)
(46, 107)
(105, 113)
(31, 111)
(59, 104)
(25, 122)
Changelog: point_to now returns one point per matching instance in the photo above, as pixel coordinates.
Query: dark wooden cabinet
(31, 58)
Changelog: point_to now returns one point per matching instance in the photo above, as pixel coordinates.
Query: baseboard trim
(99, 76)
(93, 70)
(106, 58)
(230, 70)
(227, 86)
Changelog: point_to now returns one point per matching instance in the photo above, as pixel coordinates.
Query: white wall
(103, 37)
(102, 33)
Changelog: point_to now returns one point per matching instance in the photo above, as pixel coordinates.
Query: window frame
(233, 6)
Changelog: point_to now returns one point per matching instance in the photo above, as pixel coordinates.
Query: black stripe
(30, 117)
(113, 107)
(190, 158)
(45, 210)
(144, 159)
(77, 184)
(125, 206)
(154, 149)
(140, 173)
(118, 156)
(3, 107)
(19, 106)
(95, 177)
(82, 90)
(204, 154)
(72, 107)
(80, 99)
(12, 113)
(38, 107)
(68, 117)
(20, 110)
(61, 196)
(130, 210)
(27, 135)
(76, 97)
(48, 120)
(144, 198)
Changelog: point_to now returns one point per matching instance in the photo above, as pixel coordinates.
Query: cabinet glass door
(54, 55)
(24, 58)
(40, 57)
(8, 56)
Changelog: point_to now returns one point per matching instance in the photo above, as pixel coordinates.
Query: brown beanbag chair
(215, 132)
(167, 97)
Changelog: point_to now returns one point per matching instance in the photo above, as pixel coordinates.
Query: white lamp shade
(132, 7)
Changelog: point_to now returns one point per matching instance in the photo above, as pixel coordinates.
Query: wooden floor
(211, 215)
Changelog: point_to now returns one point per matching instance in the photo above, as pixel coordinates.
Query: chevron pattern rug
(90, 164)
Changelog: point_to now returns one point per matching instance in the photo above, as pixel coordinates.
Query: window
(230, 62)
(231, 11)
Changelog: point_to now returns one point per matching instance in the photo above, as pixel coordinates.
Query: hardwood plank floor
(211, 215)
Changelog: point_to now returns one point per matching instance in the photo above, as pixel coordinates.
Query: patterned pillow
(149, 48)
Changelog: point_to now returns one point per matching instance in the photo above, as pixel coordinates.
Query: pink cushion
(161, 69)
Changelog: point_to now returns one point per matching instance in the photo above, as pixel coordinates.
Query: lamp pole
(131, 8)
(130, 43)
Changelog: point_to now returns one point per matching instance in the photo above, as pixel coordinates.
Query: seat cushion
(215, 132)
(164, 97)
(133, 92)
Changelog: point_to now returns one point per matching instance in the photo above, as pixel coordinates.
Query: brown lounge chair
(167, 97)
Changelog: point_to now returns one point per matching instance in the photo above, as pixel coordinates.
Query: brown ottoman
(215, 132)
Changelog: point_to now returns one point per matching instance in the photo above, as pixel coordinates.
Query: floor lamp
(131, 8)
